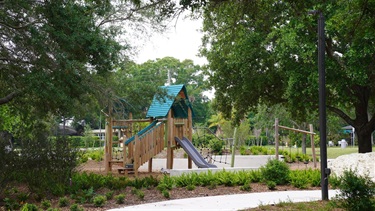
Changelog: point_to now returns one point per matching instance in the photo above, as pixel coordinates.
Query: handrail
(141, 132)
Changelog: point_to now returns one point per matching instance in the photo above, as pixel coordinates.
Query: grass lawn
(332, 152)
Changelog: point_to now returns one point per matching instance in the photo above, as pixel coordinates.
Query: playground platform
(232, 202)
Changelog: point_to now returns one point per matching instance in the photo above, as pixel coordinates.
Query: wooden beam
(295, 130)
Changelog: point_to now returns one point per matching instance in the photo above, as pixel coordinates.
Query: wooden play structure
(168, 118)
(311, 133)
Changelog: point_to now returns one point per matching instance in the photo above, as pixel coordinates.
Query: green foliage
(63, 202)
(29, 207)
(46, 204)
(356, 192)
(99, 200)
(276, 171)
(166, 183)
(227, 178)
(190, 187)
(76, 207)
(299, 179)
(139, 193)
(165, 193)
(120, 198)
(246, 187)
(216, 146)
(11, 204)
(334, 181)
(271, 185)
(242, 63)
(109, 195)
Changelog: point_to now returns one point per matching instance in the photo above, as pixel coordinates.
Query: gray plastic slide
(193, 153)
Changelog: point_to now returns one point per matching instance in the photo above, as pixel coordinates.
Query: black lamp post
(325, 172)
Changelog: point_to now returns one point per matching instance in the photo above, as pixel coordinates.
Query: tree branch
(341, 114)
(8, 98)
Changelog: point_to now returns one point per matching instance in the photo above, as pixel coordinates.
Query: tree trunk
(364, 140)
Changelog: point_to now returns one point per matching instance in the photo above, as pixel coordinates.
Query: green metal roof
(179, 103)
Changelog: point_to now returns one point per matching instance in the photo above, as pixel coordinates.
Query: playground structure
(169, 118)
(311, 133)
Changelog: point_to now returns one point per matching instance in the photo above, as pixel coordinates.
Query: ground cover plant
(90, 190)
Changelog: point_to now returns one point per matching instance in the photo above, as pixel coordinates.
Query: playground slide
(194, 154)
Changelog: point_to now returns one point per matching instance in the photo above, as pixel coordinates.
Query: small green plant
(166, 194)
(120, 199)
(29, 207)
(63, 201)
(246, 187)
(299, 179)
(140, 194)
(271, 185)
(277, 171)
(212, 185)
(46, 204)
(109, 195)
(356, 192)
(190, 187)
(76, 207)
(99, 200)
(11, 204)
(23, 197)
(334, 181)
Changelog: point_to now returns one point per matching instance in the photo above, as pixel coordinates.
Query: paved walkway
(232, 202)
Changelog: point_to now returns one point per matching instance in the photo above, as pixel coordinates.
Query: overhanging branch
(8, 98)
(341, 114)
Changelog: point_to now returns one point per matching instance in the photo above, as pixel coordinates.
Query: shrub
(99, 200)
(190, 187)
(46, 204)
(140, 194)
(299, 179)
(63, 202)
(217, 145)
(120, 199)
(75, 207)
(166, 194)
(246, 187)
(109, 195)
(356, 192)
(277, 171)
(271, 185)
(29, 207)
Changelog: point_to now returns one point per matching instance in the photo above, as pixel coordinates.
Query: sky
(182, 41)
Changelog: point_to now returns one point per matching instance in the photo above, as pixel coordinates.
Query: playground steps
(126, 171)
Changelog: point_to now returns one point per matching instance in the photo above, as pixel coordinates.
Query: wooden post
(190, 134)
(312, 144)
(136, 155)
(170, 139)
(108, 145)
(277, 138)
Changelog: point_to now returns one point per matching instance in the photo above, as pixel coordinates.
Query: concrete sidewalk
(232, 202)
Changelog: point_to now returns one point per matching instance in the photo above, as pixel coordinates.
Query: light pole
(325, 172)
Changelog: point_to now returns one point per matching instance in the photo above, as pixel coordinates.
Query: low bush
(99, 200)
(29, 207)
(276, 171)
(356, 192)
(63, 202)
(120, 199)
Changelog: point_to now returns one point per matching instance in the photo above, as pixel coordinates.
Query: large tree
(266, 51)
(55, 55)
(138, 83)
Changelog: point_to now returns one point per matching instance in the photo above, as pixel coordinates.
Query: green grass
(332, 152)
(308, 206)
